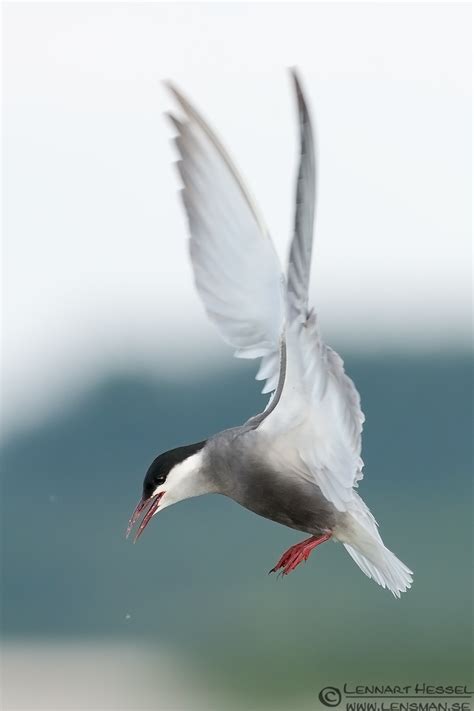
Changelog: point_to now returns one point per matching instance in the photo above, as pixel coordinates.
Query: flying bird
(299, 461)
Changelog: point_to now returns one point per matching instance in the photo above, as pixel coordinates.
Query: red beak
(151, 506)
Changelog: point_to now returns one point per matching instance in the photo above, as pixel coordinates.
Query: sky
(96, 273)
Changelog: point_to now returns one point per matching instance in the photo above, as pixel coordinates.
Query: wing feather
(299, 262)
(319, 401)
(236, 269)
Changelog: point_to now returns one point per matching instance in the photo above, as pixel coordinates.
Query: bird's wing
(318, 415)
(299, 262)
(236, 269)
(319, 406)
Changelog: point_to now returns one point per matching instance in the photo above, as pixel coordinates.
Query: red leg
(298, 553)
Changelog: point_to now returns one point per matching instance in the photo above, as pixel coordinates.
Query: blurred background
(108, 358)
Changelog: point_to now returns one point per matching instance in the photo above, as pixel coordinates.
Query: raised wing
(299, 262)
(236, 269)
(319, 401)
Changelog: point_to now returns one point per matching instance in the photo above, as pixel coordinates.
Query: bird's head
(173, 476)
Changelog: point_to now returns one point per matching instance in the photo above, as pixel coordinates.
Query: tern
(299, 461)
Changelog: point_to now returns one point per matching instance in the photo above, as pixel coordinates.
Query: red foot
(298, 553)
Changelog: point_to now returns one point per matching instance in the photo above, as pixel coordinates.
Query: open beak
(149, 507)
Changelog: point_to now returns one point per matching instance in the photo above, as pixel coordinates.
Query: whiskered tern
(298, 462)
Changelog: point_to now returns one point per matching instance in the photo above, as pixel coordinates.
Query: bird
(298, 462)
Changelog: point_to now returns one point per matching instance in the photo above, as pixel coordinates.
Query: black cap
(164, 463)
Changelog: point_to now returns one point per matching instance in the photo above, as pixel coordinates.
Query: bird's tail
(381, 565)
(362, 541)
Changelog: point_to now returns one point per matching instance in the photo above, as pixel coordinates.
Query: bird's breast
(249, 475)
